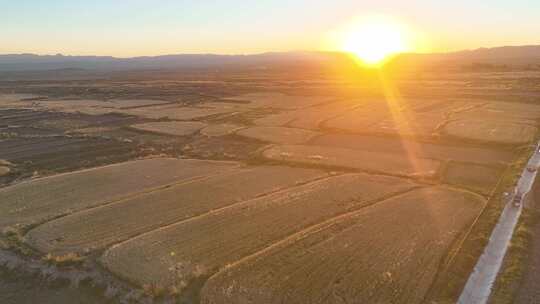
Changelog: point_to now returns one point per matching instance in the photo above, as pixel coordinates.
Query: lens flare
(375, 41)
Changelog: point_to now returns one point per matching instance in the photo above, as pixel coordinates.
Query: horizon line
(262, 53)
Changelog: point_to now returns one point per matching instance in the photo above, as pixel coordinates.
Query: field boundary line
(225, 208)
(323, 121)
(120, 199)
(473, 224)
(410, 176)
(144, 192)
(310, 230)
(238, 165)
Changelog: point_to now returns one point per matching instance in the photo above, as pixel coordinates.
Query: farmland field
(399, 146)
(111, 223)
(323, 266)
(278, 135)
(491, 131)
(33, 202)
(207, 244)
(361, 160)
(235, 186)
(171, 128)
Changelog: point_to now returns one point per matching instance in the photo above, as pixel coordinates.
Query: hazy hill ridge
(507, 55)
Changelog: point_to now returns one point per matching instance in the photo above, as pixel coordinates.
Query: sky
(126, 28)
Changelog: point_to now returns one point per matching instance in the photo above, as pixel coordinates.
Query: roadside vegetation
(516, 260)
(455, 270)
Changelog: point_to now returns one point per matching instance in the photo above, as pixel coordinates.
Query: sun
(375, 41)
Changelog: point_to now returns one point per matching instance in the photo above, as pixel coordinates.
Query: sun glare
(375, 41)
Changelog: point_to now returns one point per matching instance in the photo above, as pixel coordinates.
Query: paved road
(529, 291)
(478, 287)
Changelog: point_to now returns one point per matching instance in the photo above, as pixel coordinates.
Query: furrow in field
(387, 253)
(202, 246)
(46, 198)
(102, 226)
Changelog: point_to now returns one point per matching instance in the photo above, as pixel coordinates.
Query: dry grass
(12, 239)
(386, 163)
(474, 177)
(154, 290)
(175, 128)
(454, 274)
(219, 238)
(387, 253)
(278, 135)
(515, 261)
(490, 131)
(33, 202)
(100, 227)
(68, 259)
(281, 101)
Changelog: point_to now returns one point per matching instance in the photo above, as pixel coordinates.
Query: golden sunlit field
(260, 186)
(269, 152)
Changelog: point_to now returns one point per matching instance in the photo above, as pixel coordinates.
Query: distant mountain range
(31, 62)
(515, 56)
(506, 56)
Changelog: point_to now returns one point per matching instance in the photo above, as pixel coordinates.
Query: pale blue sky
(152, 27)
